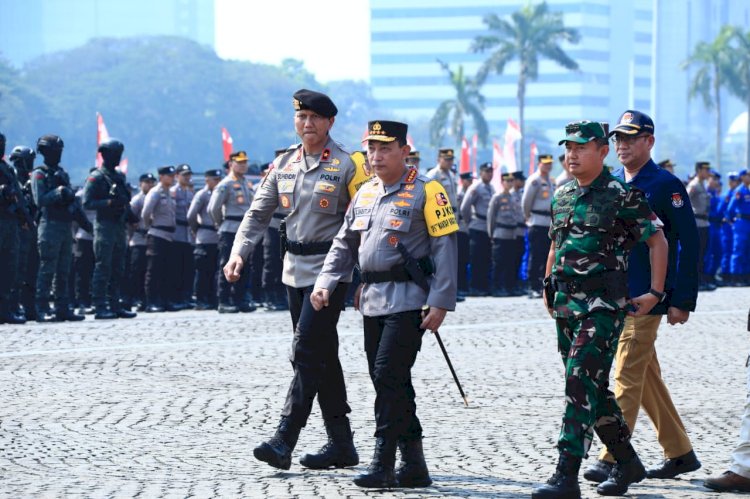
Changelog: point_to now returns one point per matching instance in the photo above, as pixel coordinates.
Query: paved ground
(170, 405)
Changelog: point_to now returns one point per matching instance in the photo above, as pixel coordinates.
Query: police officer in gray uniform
(159, 217)
(466, 179)
(519, 251)
(701, 201)
(56, 200)
(137, 245)
(83, 260)
(502, 220)
(229, 202)
(313, 183)
(536, 202)
(107, 192)
(206, 251)
(443, 173)
(474, 211)
(182, 240)
(22, 158)
(400, 228)
(272, 254)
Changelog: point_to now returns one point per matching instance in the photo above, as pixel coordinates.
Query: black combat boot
(278, 450)
(338, 452)
(628, 469)
(44, 312)
(563, 484)
(380, 473)
(125, 313)
(104, 312)
(412, 470)
(66, 313)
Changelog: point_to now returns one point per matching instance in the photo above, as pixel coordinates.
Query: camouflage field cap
(582, 132)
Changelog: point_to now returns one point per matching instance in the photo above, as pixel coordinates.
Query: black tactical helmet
(112, 146)
(49, 142)
(22, 153)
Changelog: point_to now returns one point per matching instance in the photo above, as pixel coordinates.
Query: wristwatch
(659, 294)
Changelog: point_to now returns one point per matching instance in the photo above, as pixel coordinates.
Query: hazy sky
(330, 36)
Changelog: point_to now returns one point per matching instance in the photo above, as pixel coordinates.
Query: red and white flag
(474, 141)
(101, 135)
(512, 135)
(497, 165)
(532, 157)
(226, 143)
(410, 141)
(464, 165)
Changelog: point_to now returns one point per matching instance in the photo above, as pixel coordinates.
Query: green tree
(530, 34)
(713, 63)
(738, 75)
(449, 118)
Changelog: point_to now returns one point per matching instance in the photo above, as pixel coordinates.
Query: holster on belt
(282, 238)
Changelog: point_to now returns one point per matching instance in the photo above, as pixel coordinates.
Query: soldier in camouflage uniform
(596, 220)
(313, 183)
(401, 229)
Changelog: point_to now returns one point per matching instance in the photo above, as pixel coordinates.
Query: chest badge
(396, 223)
(677, 201)
(285, 203)
(402, 204)
(324, 203)
(393, 240)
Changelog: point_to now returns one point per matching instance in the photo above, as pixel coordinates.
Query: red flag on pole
(465, 165)
(497, 166)
(101, 135)
(512, 134)
(532, 157)
(226, 143)
(474, 140)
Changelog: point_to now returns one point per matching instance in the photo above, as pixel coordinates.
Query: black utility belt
(701, 217)
(480, 217)
(504, 226)
(609, 282)
(318, 248)
(207, 227)
(542, 212)
(398, 273)
(233, 218)
(182, 223)
(164, 228)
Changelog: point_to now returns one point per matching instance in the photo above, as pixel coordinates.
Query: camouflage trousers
(587, 345)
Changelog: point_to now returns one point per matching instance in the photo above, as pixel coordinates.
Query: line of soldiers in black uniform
(95, 249)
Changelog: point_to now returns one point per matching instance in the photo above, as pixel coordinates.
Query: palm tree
(713, 62)
(738, 76)
(449, 118)
(529, 34)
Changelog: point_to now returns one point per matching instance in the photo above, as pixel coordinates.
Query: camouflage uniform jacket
(593, 229)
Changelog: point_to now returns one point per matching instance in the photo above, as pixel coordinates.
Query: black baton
(450, 366)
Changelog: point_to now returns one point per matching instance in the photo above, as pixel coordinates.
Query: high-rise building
(35, 27)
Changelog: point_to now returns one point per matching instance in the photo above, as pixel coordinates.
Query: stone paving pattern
(171, 405)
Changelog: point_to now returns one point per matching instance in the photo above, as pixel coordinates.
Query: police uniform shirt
(739, 204)
(448, 180)
(517, 196)
(415, 212)
(462, 225)
(502, 216)
(313, 198)
(475, 204)
(700, 200)
(90, 214)
(200, 220)
(537, 199)
(138, 238)
(229, 202)
(668, 199)
(159, 211)
(182, 198)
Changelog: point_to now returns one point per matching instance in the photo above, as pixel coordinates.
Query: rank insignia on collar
(677, 201)
(411, 176)
(325, 155)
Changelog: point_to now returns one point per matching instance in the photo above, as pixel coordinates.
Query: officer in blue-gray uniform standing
(537, 198)
(727, 230)
(313, 183)
(272, 255)
(701, 201)
(462, 237)
(739, 211)
(401, 230)
(137, 245)
(474, 212)
(229, 202)
(182, 240)
(206, 251)
(13, 214)
(22, 158)
(57, 204)
(107, 192)
(503, 215)
(158, 215)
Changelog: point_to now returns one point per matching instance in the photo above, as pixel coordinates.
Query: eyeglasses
(627, 139)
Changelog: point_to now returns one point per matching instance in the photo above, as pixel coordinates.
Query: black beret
(314, 101)
(166, 170)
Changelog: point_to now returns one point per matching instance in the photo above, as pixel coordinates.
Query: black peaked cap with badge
(314, 101)
(633, 123)
(166, 170)
(546, 158)
(238, 156)
(183, 168)
(446, 152)
(213, 173)
(147, 177)
(386, 131)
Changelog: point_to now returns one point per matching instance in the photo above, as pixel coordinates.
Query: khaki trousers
(638, 384)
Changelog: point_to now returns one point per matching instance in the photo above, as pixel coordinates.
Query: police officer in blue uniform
(57, 204)
(739, 211)
(727, 230)
(107, 192)
(712, 259)
(22, 158)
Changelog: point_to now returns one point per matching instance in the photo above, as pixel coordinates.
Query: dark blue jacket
(669, 201)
